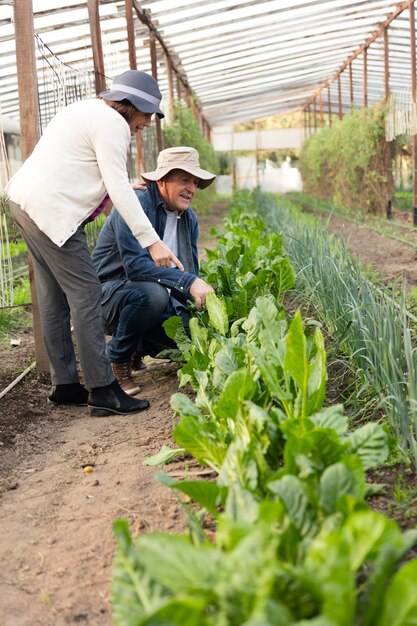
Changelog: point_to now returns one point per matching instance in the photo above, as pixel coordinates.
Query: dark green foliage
(186, 132)
(345, 163)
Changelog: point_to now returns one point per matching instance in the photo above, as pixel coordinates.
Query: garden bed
(56, 542)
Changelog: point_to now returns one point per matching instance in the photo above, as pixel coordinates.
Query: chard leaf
(217, 312)
(208, 495)
(331, 417)
(184, 611)
(226, 361)
(327, 568)
(295, 360)
(182, 405)
(284, 276)
(198, 335)
(369, 442)
(133, 593)
(291, 492)
(174, 328)
(400, 599)
(164, 456)
(239, 387)
(335, 482)
(172, 561)
(267, 311)
(367, 532)
(317, 376)
(200, 441)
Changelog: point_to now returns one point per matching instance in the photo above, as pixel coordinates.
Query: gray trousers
(68, 292)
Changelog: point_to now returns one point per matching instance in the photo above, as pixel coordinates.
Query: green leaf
(175, 563)
(208, 495)
(331, 417)
(284, 276)
(217, 312)
(198, 335)
(182, 405)
(335, 482)
(164, 456)
(174, 328)
(369, 442)
(295, 360)
(239, 387)
(226, 361)
(184, 611)
(200, 441)
(317, 376)
(291, 492)
(400, 599)
(133, 593)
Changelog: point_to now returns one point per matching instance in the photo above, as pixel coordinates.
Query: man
(137, 294)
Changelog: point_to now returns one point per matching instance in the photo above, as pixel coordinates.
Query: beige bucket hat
(180, 158)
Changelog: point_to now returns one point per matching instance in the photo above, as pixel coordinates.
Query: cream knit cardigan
(81, 156)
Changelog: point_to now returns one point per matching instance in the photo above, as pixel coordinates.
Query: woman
(80, 160)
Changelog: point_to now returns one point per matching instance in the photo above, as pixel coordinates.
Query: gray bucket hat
(181, 158)
(139, 88)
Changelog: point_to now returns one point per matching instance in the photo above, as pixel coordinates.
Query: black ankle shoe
(112, 399)
(72, 394)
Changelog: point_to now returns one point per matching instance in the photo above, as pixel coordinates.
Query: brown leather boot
(123, 376)
(137, 364)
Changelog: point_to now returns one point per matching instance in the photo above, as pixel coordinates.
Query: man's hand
(162, 255)
(199, 290)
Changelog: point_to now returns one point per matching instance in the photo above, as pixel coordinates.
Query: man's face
(177, 190)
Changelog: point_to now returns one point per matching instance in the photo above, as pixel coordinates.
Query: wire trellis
(401, 118)
(6, 268)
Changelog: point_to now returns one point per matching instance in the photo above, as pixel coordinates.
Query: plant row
(367, 321)
(284, 535)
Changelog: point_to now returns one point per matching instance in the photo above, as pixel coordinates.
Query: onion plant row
(291, 540)
(369, 324)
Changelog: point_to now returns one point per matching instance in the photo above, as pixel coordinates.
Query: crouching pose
(137, 294)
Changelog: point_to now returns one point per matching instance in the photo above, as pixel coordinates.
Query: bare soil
(56, 543)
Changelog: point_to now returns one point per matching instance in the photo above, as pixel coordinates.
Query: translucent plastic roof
(243, 60)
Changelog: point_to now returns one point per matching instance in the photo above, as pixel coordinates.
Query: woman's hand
(162, 255)
(138, 185)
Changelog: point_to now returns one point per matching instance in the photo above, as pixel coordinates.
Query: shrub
(345, 163)
(185, 131)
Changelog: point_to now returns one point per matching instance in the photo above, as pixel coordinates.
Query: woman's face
(140, 121)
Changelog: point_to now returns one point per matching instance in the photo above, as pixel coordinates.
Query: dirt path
(56, 543)
(389, 257)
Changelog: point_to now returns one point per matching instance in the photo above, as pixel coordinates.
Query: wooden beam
(351, 87)
(329, 104)
(130, 35)
(388, 146)
(378, 33)
(413, 96)
(339, 96)
(321, 108)
(171, 100)
(29, 135)
(140, 156)
(152, 36)
(365, 78)
(96, 45)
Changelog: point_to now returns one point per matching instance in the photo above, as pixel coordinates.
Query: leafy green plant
(185, 131)
(345, 163)
(295, 542)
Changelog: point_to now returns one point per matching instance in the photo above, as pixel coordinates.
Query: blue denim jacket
(119, 257)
